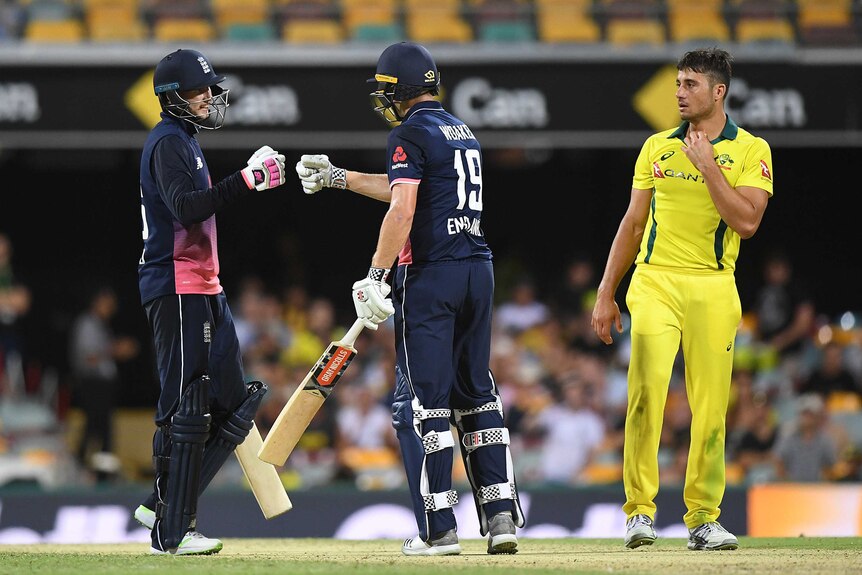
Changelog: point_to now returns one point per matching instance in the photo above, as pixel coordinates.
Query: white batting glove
(264, 169)
(316, 172)
(369, 298)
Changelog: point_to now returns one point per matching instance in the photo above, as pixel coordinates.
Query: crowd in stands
(618, 22)
(795, 412)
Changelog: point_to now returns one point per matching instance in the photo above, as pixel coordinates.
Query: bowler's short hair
(714, 62)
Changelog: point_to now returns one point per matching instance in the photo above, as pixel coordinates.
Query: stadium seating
(697, 21)
(570, 21)
(313, 31)
(623, 23)
(827, 22)
(54, 31)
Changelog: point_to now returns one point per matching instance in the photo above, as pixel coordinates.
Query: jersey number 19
(474, 168)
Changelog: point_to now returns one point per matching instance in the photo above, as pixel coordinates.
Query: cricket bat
(262, 477)
(308, 397)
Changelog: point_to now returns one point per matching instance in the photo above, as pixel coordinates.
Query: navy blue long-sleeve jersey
(438, 151)
(178, 205)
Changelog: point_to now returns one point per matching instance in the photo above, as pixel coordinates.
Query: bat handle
(354, 331)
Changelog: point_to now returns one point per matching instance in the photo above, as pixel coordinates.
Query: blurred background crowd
(795, 412)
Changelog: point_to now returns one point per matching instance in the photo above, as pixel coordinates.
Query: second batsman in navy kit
(442, 301)
(205, 408)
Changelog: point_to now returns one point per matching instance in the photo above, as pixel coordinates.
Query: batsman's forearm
(393, 235)
(374, 186)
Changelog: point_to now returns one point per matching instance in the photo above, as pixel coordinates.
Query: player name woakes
(459, 132)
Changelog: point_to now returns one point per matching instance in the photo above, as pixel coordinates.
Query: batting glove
(369, 298)
(317, 172)
(264, 169)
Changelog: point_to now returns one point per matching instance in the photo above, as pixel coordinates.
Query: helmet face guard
(178, 107)
(389, 91)
(383, 99)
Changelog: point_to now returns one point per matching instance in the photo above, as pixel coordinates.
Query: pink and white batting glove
(264, 170)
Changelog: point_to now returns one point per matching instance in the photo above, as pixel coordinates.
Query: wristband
(378, 274)
(338, 179)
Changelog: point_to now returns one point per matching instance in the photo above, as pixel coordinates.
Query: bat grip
(354, 331)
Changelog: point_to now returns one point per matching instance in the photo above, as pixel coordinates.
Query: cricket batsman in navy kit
(205, 408)
(442, 300)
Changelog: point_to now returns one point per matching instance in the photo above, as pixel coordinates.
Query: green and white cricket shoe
(501, 534)
(446, 544)
(145, 516)
(639, 531)
(711, 536)
(192, 544)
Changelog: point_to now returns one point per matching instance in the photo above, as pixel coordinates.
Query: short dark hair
(714, 62)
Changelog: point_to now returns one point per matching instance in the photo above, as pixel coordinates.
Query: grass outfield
(536, 556)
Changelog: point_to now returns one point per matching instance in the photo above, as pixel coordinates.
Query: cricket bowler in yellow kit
(698, 190)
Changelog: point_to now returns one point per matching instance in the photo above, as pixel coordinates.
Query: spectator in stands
(94, 351)
(522, 310)
(573, 434)
(575, 295)
(783, 307)
(260, 330)
(14, 306)
(364, 429)
(831, 377)
(320, 329)
(753, 449)
(807, 453)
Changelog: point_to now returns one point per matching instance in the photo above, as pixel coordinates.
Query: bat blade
(263, 478)
(308, 397)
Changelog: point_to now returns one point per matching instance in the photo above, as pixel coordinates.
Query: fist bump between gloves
(369, 298)
(316, 172)
(264, 169)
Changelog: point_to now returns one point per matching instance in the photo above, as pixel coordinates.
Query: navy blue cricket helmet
(404, 71)
(185, 70)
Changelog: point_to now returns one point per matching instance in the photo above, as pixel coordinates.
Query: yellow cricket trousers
(702, 311)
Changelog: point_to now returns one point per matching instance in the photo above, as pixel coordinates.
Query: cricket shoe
(446, 544)
(192, 544)
(501, 534)
(711, 536)
(639, 531)
(145, 516)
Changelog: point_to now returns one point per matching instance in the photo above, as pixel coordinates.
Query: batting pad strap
(494, 436)
(423, 414)
(437, 440)
(496, 492)
(438, 501)
(490, 406)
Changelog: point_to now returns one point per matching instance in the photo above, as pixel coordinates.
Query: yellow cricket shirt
(684, 229)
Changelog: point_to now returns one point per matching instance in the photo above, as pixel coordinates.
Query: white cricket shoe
(501, 534)
(192, 544)
(145, 516)
(447, 544)
(711, 536)
(639, 531)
